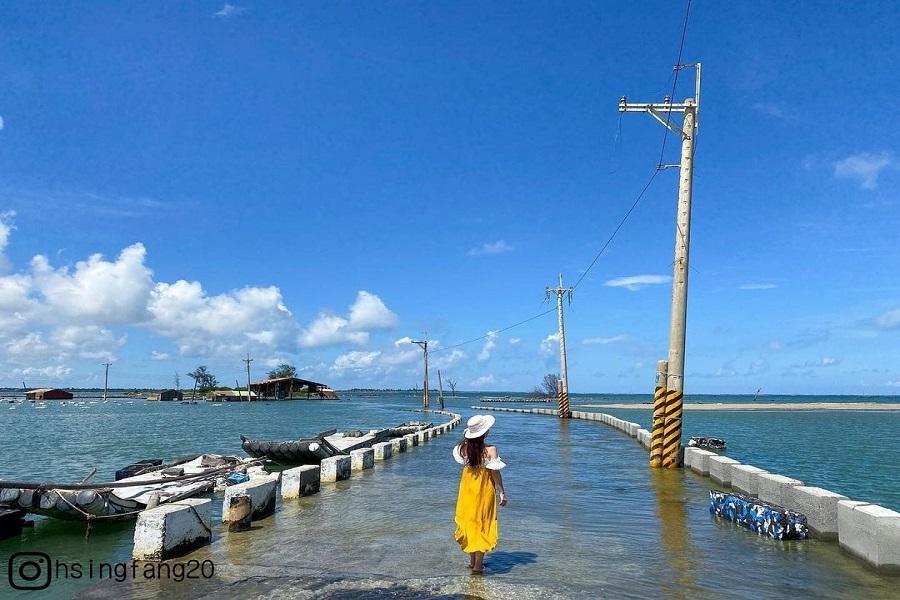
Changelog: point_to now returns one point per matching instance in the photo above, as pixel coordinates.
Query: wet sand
(882, 406)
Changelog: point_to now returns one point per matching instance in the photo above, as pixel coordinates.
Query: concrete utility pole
(563, 391)
(425, 397)
(106, 379)
(248, 360)
(690, 108)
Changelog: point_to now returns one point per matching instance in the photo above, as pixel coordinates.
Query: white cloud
(6, 228)
(513, 341)
(484, 380)
(604, 340)
(887, 320)
(826, 361)
(864, 167)
(489, 345)
(498, 247)
(2, 124)
(52, 372)
(550, 344)
(366, 313)
(356, 360)
(770, 109)
(228, 11)
(87, 341)
(635, 282)
(757, 286)
(445, 361)
(156, 355)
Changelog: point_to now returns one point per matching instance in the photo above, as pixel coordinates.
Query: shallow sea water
(587, 518)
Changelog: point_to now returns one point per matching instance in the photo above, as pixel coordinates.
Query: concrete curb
(172, 530)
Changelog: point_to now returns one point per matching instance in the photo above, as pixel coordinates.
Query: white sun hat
(478, 425)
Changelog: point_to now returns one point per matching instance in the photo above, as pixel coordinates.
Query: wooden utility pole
(690, 108)
(248, 360)
(106, 379)
(441, 389)
(563, 390)
(425, 397)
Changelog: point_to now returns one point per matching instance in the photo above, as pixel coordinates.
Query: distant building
(287, 388)
(230, 396)
(169, 395)
(48, 394)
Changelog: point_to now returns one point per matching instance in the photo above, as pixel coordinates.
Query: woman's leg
(471, 560)
(478, 567)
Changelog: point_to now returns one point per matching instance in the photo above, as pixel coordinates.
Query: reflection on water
(587, 518)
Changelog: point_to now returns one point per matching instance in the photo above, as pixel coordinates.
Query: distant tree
(548, 387)
(283, 370)
(452, 384)
(203, 380)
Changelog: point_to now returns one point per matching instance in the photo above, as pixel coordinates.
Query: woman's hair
(472, 450)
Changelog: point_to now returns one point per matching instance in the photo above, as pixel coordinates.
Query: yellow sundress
(476, 506)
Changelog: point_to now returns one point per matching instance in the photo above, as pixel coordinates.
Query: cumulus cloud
(445, 361)
(484, 380)
(489, 345)
(863, 167)
(367, 312)
(514, 340)
(633, 283)
(51, 372)
(827, 361)
(550, 344)
(887, 320)
(6, 228)
(498, 247)
(157, 355)
(604, 340)
(87, 341)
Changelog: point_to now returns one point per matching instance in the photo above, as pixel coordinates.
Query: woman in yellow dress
(476, 505)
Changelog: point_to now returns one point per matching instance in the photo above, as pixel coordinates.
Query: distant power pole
(690, 108)
(563, 391)
(106, 379)
(248, 360)
(424, 345)
(441, 389)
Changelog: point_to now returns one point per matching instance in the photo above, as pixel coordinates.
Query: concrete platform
(262, 496)
(777, 489)
(382, 450)
(361, 459)
(870, 532)
(745, 479)
(720, 468)
(335, 468)
(820, 507)
(300, 481)
(172, 530)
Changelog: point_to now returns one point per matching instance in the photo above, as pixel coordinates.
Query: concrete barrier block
(335, 468)
(777, 489)
(172, 530)
(720, 468)
(300, 481)
(633, 429)
(695, 458)
(870, 532)
(398, 445)
(820, 507)
(422, 437)
(382, 450)
(412, 439)
(643, 437)
(262, 496)
(363, 458)
(745, 479)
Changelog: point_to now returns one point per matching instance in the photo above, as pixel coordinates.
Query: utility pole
(441, 389)
(563, 391)
(106, 379)
(248, 360)
(690, 108)
(424, 345)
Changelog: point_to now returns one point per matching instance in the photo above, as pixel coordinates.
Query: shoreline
(765, 406)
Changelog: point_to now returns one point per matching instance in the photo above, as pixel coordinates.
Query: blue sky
(318, 182)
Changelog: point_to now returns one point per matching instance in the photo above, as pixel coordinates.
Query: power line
(495, 331)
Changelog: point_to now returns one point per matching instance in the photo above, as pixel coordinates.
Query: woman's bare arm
(496, 477)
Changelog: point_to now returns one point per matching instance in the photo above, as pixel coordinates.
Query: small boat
(311, 450)
(125, 498)
(707, 443)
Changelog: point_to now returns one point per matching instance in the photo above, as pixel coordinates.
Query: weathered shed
(48, 394)
(230, 396)
(169, 396)
(284, 388)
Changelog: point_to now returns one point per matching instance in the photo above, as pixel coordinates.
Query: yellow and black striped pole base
(563, 399)
(672, 432)
(658, 426)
